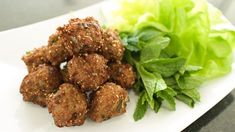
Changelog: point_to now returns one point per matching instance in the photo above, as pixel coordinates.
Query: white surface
(19, 116)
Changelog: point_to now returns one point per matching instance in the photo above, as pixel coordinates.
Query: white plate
(19, 116)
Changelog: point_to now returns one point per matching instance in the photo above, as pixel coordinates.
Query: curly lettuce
(190, 27)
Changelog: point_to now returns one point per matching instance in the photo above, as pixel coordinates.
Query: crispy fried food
(86, 36)
(57, 53)
(89, 71)
(80, 35)
(112, 48)
(35, 58)
(68, 106)
(109, 101)
(123, 74)
(77, 37)
(83, 57)
(38, 84)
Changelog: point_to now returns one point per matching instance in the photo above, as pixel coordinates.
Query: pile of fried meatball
(79, 74)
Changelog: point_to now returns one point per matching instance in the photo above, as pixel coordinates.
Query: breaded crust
(68, 106)
(123, 74)
(89, 71)
(37, 85)
(109, 101)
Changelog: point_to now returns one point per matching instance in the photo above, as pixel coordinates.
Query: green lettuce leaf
(190, 25)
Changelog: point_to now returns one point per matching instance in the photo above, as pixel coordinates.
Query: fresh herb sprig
(161, 77)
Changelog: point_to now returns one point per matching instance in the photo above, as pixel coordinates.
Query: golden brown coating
(86, 36)
(109, 101)
(68, 106)
(35, 58)
(84, 57)
(77, 37)
(112, 48)
(89, 71)
(53, 39)
(37, 85)
(123, 74)
(83, 35)
(57, 54)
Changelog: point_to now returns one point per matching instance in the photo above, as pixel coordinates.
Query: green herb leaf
(192, 93)
(171, 91)
(187, 100)
(148, 34)
(171, 82)
(153, 48)
(27, 52)
(188, 82)
(140, 109)
(168, 98)
(157, 105)
(138, 86)
(152, 83)
(165, 66)
(148, 99)
(130, 42)
(119, 106)
(149, 80)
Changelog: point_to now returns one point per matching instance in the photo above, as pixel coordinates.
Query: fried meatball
(83, 35)
(123, 74)
(86, 36)
(57, 54)
(38, 84)
(109, 101)
(35, 58)
(89, 71)
(68, 106)
(78, 37)
(112, 48)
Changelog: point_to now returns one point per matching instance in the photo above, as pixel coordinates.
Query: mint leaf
(140, 109)
(171, 82)
(150, 51)
(168, 98)
(148, 99)
(192, 93)
(188, 82)
(161, 85)
(187, 100)
(165, 66)
(27, 52)
(153, 48)
(171, 91)
(138, 86)
(148, 34)
(151, 82)
(157, 104)
(130, 42)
